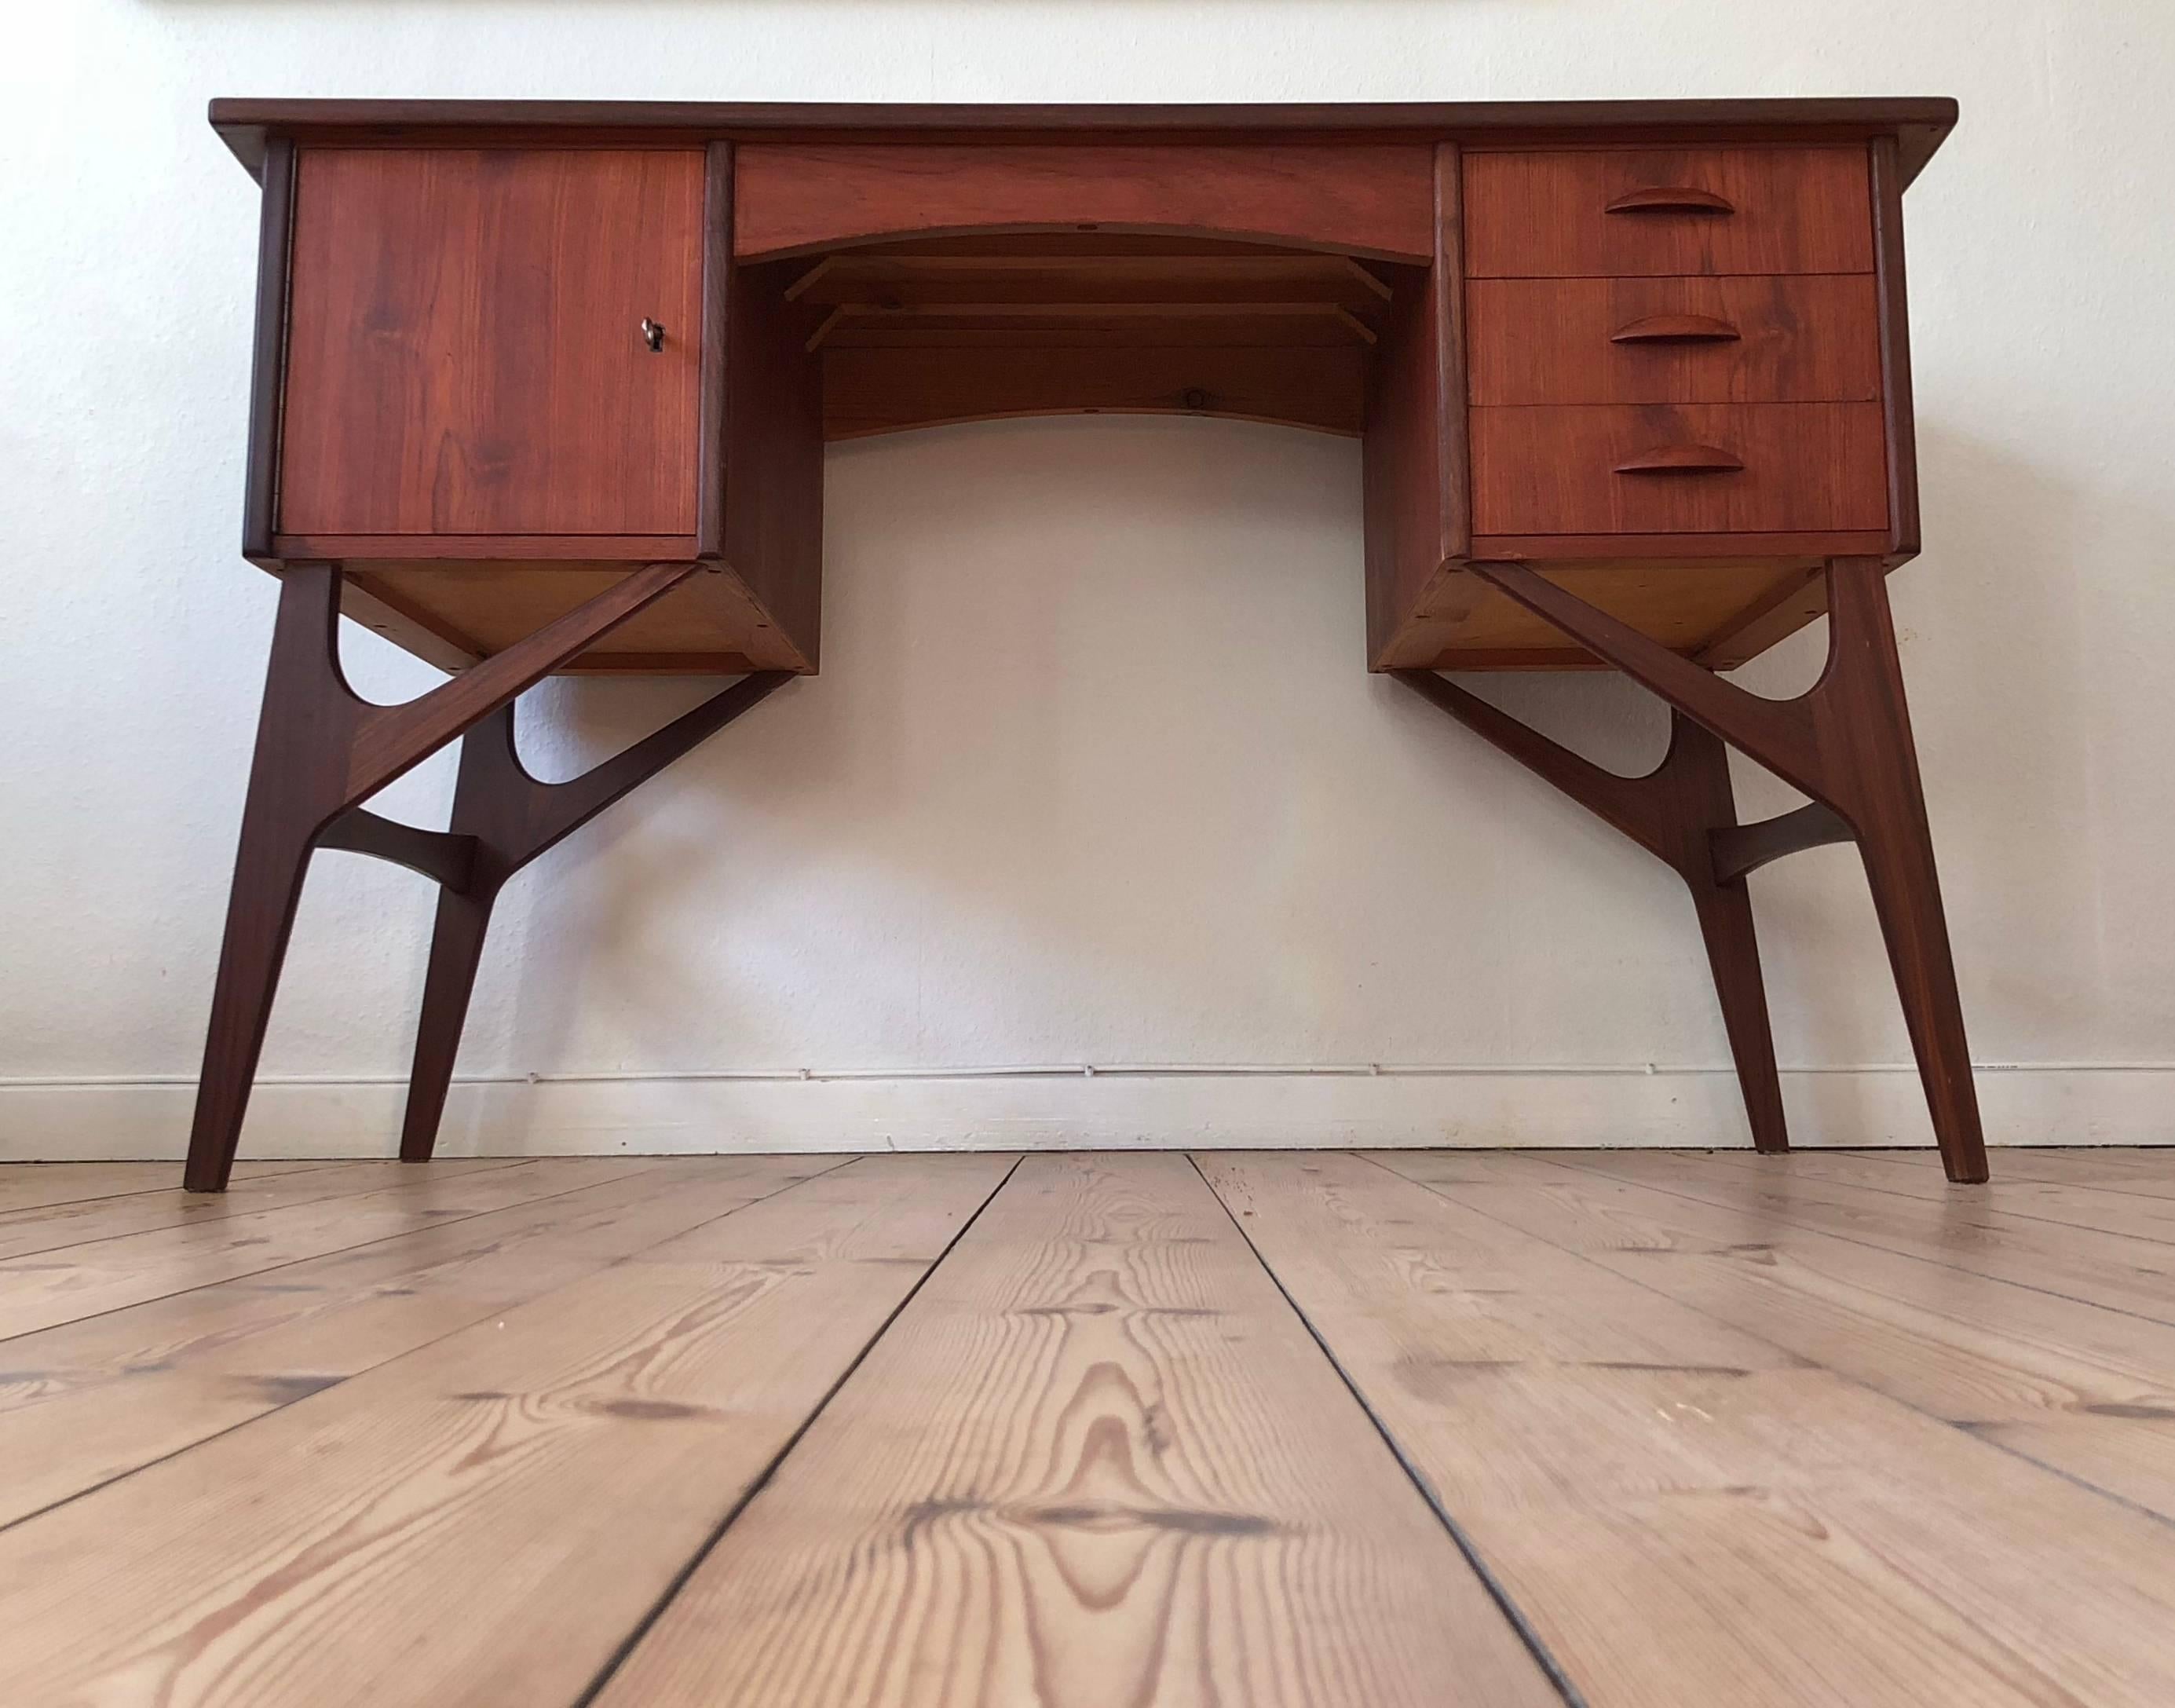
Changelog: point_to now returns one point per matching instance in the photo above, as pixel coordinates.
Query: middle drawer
(1799, 339)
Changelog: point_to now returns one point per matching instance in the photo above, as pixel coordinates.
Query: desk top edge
(1920, 123)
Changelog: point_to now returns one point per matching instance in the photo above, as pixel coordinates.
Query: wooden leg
(1677, 813)
(294, 789)
(320, 752)
(1846, 743)
(1725, 917)
(456, 948)
(260, 916)
(1694, 777)
(1872, 728)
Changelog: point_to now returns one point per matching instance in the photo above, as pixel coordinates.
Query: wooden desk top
(1919, 122)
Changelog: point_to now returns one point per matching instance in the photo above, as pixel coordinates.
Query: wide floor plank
(55, 1226)
(86, 1401)
(2091, 1390)
(1096, 1462)
(2104, 1207)
(484, 1520)
(25, 1185)
(1683, 1530)
(40, 1291)
(2113, 1269)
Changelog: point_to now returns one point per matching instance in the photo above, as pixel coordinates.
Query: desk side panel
(1414, 462)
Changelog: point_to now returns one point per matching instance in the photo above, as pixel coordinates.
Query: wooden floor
(1662, 1429)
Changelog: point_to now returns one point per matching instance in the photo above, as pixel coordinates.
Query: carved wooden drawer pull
(1681, 459)
(1677, 328)
(1672, 200)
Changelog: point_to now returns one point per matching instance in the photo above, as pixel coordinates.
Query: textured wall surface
(1093, 776)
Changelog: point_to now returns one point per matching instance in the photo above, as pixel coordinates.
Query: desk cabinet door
(466, 353)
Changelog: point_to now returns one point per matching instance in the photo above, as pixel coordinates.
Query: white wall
(1093, 774)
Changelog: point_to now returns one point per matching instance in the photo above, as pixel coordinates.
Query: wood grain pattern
(44, 1227)
(887, 279)
(1095, 1462)
(1919, 122)
(38, 1292)
(1543, 213)
(1414, 466)
(1722, 1428)
(774, 429)
(545, 1473)
(1371, 200)
(1463, 623)
(1812, 339)
(499, 384)
(1683, 1514)
(489, 607)
(1807, 466)
(1968, 1232)
(24, 1186)
(2074, 1385)
(86, 1401)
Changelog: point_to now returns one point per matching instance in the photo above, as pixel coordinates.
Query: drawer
(1808, 339)
(1684, 469)
(1597, 213)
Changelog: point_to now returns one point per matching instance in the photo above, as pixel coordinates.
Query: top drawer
(1614, 212)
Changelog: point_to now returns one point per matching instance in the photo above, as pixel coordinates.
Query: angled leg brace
(321, 751)
(1846, 743)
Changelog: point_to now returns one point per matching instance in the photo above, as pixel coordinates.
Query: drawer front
(1597, 212)
(1688, 468)
(1812, 339)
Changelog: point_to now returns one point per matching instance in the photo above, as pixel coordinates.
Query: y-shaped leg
(1847, 744)
(510, 818)
(1673, 812)
(321, 751)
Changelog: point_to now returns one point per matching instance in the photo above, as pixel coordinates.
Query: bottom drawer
(1679, 468)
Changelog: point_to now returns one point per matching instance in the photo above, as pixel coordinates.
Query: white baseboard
(1116, 1108)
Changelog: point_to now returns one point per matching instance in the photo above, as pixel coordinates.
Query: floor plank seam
(148, 1191)
(642, 1627)
(1962, 1426)
(410, 1352)
(359, 1191)
(1990, 1208)
(1875, 1245)
(312, 1257)
(2070, 1477)
(1497, 1591)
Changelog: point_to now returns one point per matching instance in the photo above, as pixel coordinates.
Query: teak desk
(546, 386)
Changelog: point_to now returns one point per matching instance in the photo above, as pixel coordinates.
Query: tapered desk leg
(260, 916)
(1872, 729)
(456, 949)
(1733, 951)
(1724, 908)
